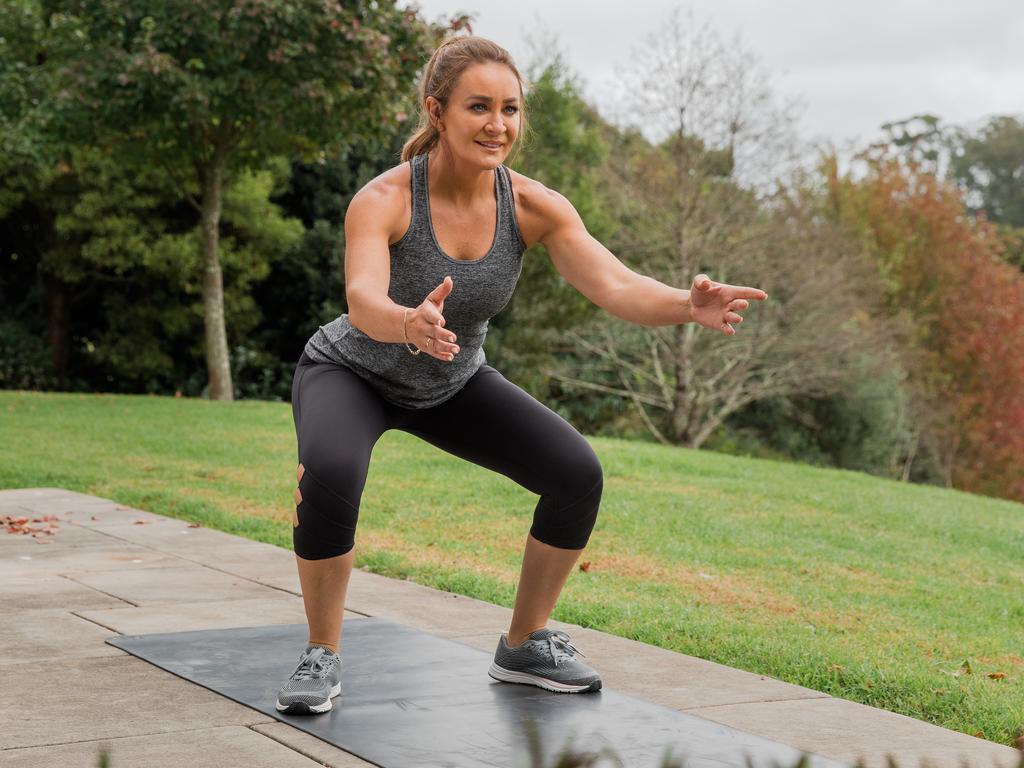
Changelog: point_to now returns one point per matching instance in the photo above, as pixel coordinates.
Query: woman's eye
(514, 109)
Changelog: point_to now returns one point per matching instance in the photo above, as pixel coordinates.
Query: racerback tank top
(481, 288)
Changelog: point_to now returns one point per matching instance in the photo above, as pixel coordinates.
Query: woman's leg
(338, 419)
(496, 424)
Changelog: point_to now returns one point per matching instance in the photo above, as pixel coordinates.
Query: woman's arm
(596, 273)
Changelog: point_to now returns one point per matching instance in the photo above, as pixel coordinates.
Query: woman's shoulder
(530, 193)
(387, 198)
(389, 186)
(538, 207)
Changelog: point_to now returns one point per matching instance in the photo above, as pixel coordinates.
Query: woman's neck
(458, 183)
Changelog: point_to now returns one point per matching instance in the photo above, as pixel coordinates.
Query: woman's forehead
(492, 79)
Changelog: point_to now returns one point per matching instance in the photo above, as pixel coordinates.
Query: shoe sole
(302, 708)
(508, 676)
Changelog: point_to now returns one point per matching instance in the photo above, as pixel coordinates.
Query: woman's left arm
(596, 273)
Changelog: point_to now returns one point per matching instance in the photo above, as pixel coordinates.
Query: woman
(433, 250)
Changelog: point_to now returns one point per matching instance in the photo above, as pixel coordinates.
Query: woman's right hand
(425, 326)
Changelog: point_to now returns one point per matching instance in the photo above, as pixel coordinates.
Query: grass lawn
(908, 598)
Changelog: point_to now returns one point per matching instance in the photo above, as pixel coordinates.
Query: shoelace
(560, 647)
(312, 666)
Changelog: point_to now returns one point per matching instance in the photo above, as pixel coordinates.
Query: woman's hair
(441, 76)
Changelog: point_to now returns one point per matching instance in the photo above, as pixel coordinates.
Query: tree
(207, 90)
(991, 164)
(960, 312)
(681, 209)
(113, 255)
(989, 167)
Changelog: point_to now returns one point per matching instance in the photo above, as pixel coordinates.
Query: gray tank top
(481, 288)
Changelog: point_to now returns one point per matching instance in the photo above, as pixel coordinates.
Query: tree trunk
(682, 397)
(218, 366)
(57, 327)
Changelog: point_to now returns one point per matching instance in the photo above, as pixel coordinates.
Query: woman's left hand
(717, 305)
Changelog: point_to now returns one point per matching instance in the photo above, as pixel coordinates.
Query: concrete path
(66, 694)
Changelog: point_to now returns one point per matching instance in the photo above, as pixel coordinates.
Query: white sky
(854, 65)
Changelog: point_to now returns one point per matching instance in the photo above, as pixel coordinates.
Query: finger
(434, 330)
(728, 330)
(737, 305)
(442, 350)
(443, 334)
(442, 290)
(439, 332)
(703, 282)
(732, 317)
(446, 350)
(749, 293)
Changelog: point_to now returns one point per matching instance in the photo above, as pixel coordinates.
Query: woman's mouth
(490, 144)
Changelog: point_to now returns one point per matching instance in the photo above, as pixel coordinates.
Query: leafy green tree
(990, 167)
(112, 256)
(206, 91)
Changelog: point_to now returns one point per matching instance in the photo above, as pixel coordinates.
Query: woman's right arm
(368, 223)
(377, 210)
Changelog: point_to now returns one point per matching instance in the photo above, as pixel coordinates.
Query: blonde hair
(442, 74)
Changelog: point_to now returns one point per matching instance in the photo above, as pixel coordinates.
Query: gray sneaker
(310, 688)
(546, 659)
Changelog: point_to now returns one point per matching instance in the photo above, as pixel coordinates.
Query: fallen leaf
(195, 525)
(585, 566)
(141, 522)
(997, 675)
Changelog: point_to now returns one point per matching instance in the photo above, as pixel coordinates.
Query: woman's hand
(717, 305)
(425, 326)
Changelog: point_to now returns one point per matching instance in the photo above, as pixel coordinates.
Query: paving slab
(445, 614)
(310, 745)
(50, 590)
(106, 697)
(53, 633)
(220, 746)
(28, 560)
(186, 583)
(210, 614)
(264, 564)
(68, 536)
(850, 731)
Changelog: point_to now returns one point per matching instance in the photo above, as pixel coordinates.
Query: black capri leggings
(490, 421)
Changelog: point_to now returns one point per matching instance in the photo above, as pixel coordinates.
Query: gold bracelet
(405, 329)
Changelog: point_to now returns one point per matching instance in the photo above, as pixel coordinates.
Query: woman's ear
(434, 112)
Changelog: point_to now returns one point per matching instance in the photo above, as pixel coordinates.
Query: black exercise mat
(411, 699)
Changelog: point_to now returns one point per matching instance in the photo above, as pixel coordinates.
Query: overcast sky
(854, 65)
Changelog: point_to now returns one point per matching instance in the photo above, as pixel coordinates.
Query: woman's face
(482, 118)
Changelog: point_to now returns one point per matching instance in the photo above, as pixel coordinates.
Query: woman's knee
(566, 518)
(325, 519)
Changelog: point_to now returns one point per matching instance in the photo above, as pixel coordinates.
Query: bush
(25, 360)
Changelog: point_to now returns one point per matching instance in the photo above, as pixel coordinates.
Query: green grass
(867, 589)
